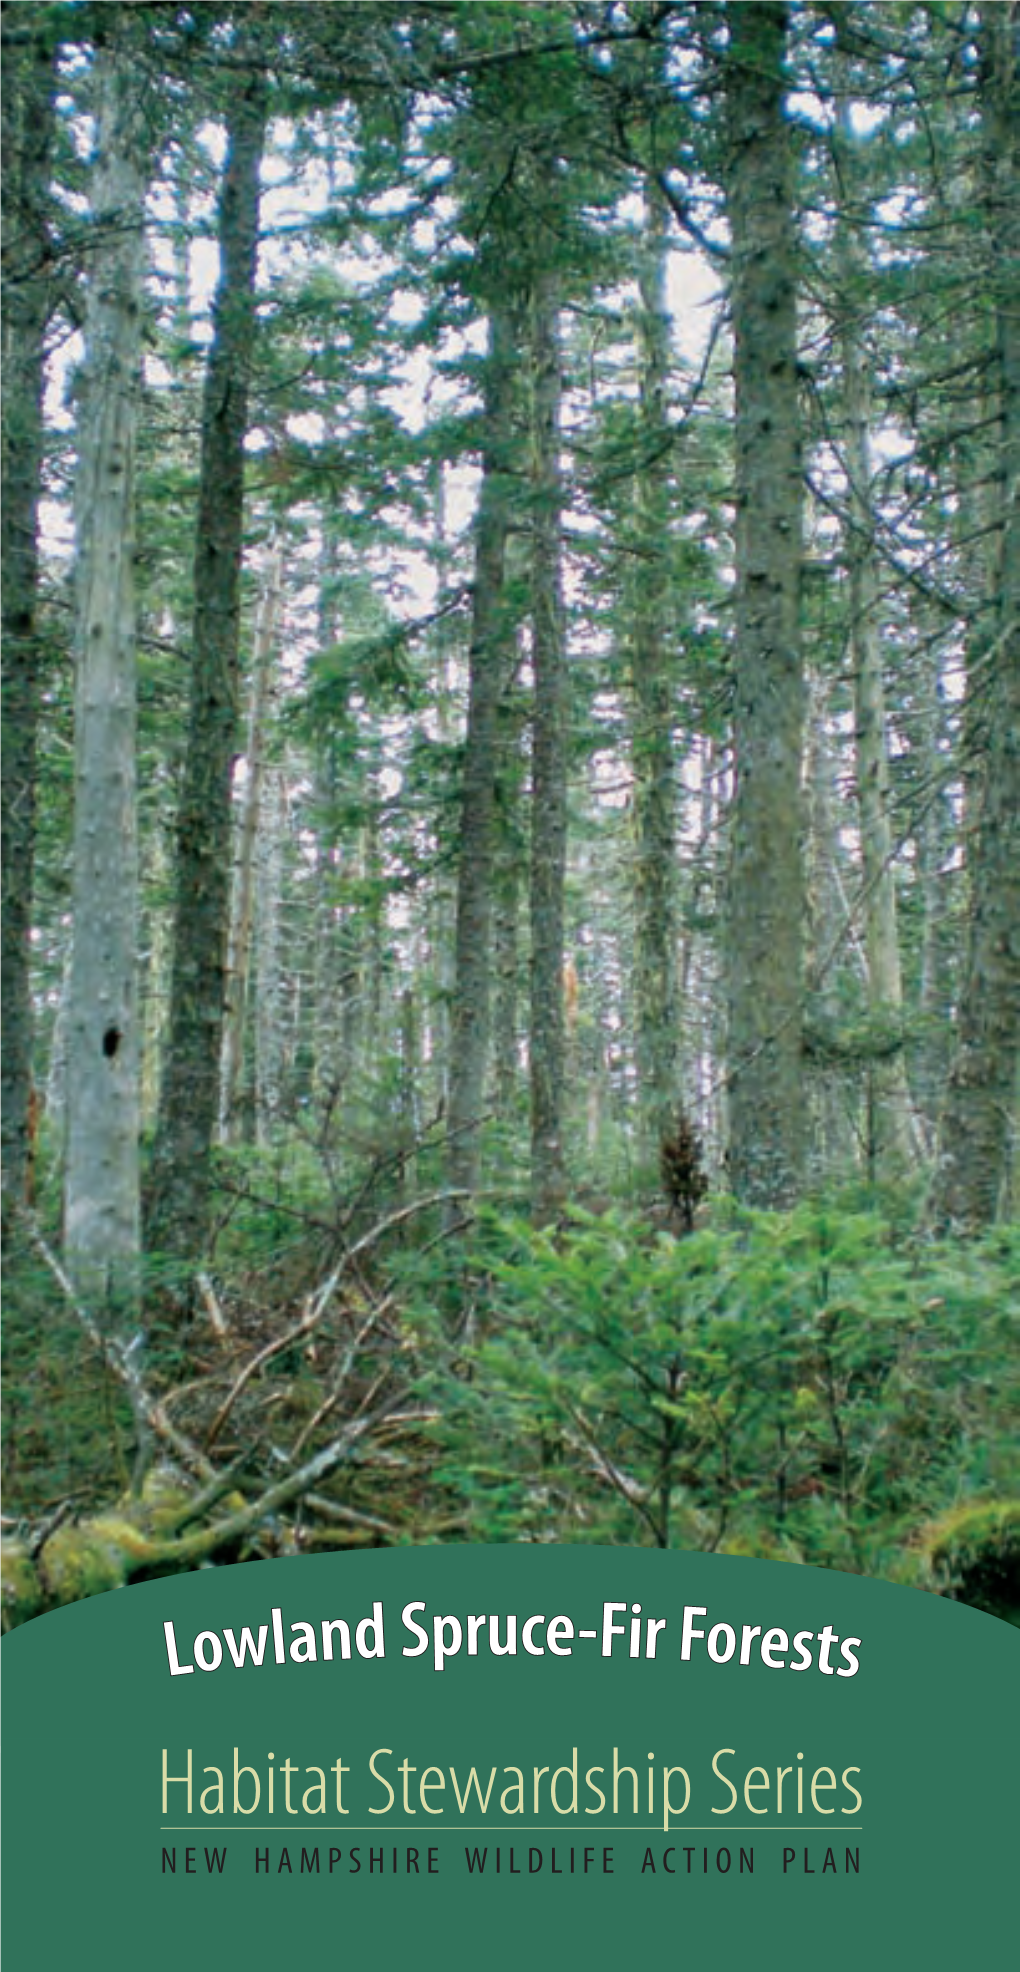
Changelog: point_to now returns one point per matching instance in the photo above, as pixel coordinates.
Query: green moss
(123, 1535)
(21, 1592)
(758, 1547)
(163, 1502)
(81, 1561)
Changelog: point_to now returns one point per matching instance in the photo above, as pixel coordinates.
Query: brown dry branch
(66, 1558)
(319, 1302)
(262, 1356)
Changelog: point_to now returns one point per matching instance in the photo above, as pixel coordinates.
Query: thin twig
(262, 1356)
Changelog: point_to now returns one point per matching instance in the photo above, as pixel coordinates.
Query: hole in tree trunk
(111, 1042)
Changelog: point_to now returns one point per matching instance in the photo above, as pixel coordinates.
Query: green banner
(516, 1757)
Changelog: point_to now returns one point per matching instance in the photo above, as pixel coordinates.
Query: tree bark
(239, 946)
(766, 914)
(330, 1067)
(328, 1073)
(700, 994)
(507, 963)
(896, 1138)
(101, 1173)
(178, 1206)
(270, 983)
(28, 85)
(508, 889)
(469, 1013)
(548, 759)
(440, 901)
(937, 876)
(652, 752)
(974, 1130)
(372, 925)
(827, 913)
(154, 972)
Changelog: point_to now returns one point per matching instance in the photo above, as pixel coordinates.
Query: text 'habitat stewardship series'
(523, 1750)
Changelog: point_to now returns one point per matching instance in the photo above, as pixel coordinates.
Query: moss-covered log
(142, 1537)
(973, 1555)
(130, 1538)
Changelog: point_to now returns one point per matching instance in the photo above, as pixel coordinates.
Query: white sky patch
(865, 118)
(56, 528)
(203, 274)
(213, 139)
(57, 410)
(290, 200)
(307, 426)
(693, 294)
(408, 396)
(808, 108)
(406, 308)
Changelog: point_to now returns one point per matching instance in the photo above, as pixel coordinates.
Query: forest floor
(823, 1386)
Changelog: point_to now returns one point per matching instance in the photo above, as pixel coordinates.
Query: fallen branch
(150, 1417)
(224, 1533)
(62, 1560)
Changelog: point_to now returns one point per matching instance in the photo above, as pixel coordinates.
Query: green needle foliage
(805, 1386)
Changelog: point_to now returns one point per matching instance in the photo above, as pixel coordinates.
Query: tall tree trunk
(937, 876)
(239, 946)
(373, 916)
(766, 913)
(440, 897)
(507, 958)
(548, 758)
(410, 1120)
(154, 982)
(351, 1010)
(101, 1175)
(178, 1206)
(699, 982)
(974, 1130)
(895, 1136)
(56, 1070)
(831, 1141)
(655, 790)
(469, 1013)
(508, 884)
(270, 985)
(27, 136)
(328, 1073)
(329, 1064)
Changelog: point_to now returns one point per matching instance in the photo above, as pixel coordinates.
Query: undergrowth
(821, 1386)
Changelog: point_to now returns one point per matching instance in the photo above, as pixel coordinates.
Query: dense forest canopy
(511, 780)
